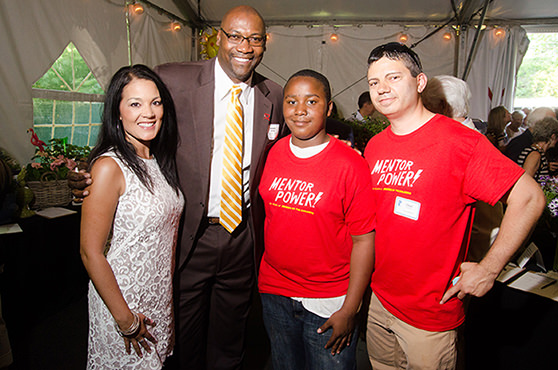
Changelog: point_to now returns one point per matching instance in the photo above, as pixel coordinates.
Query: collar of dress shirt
(223, 85)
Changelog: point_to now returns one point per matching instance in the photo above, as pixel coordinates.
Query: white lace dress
(142, 259)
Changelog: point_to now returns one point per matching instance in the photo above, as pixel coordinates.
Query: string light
(447, 36)
(175, 26)
(499, 32)
(137, 8)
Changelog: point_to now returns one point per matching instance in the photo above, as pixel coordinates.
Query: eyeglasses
(235, 38)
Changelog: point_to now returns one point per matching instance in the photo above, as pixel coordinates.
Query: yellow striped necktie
(231, 176)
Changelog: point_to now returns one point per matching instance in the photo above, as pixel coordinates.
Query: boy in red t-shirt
(318, 235)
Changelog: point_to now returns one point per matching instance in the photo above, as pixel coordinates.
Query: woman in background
(498, 118)
(135, 194)
(533, 158)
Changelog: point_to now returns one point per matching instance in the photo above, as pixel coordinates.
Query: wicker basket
(49, 193)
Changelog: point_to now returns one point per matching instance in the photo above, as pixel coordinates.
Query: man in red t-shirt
(427, 171)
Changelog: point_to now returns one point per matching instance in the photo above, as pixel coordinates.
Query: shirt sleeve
(360, 212)
(489, 174)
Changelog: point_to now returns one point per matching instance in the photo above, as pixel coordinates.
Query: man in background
(520, 142)
(514, 129)
(365, 108)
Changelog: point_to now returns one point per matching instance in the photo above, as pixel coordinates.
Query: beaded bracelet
(132, 331)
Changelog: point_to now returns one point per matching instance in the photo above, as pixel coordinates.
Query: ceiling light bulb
(138, 8)
(499, 32)
(403, 38)
(175, 26)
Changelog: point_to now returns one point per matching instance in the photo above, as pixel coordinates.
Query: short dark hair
(363, 99)
(112, 135)
(317, 76)
(397, 51)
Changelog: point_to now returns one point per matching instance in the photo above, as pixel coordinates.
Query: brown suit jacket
(192, 86)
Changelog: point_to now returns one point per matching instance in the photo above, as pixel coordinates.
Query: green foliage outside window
(70, 73)
(538, 74)
(75, 117)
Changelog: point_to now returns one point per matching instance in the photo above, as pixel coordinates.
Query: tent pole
(194, 49)
(475, 41)
(459, 49)
(128, 37)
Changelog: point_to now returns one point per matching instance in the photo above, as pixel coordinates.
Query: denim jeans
(295, 343)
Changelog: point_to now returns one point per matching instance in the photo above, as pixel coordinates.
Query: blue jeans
(295, 343)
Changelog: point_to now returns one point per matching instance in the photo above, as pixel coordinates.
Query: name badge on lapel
(273, 131)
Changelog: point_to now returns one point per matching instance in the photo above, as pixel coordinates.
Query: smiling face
(141, 112)
(239, 60)
(305, 107)
(393, 90)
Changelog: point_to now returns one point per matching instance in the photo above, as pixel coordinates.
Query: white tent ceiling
(371, 11)
(295, 18)
(33, 34)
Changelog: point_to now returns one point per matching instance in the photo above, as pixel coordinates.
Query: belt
(213, 220)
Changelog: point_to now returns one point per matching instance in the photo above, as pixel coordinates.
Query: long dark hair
(112, 135)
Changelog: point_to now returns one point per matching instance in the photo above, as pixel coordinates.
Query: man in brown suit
(215, 268)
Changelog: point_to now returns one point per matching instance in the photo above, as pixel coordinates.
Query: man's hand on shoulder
(78, 182)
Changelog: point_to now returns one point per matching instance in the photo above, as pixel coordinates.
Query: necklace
(538, 147)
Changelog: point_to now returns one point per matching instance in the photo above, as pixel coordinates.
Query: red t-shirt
(424, 185)
(312, 208)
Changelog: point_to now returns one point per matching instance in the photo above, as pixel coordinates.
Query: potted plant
(47, 174)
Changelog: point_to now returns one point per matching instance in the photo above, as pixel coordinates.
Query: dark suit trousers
(213, 299)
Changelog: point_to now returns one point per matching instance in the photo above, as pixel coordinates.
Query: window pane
(51, 81)
(90, 85)
(82, 112)
(42, 112)
(96, 112)
(43, 133)
(61, 132)
(63, 113)
(94, 134)
(81, 134)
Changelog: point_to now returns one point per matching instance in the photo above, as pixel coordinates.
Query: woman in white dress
(135, 193)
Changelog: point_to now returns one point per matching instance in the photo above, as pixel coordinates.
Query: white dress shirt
(222, 96)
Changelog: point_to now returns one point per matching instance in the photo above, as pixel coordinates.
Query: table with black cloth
(42, 277)
(511, 329)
